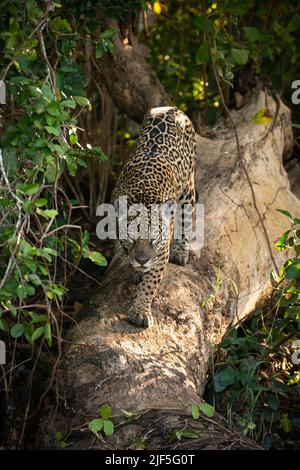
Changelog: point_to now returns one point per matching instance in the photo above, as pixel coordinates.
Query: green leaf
(225, 377)
(207, 409)
(27, 248)
(297, 126)
(280, 244)
(37, 333)
(37, 318)
(34, 10)
(47, 213)
(41, 202)
(99, 152)
(48, 334)
(30, 290)
(252, 33)
(108, 428)
(251, 426)
(202, 54)
(53, 108)
(286, 422)
(178, 435)
(55, 289)
(4, 202)
(286, 213)
(27, 206)
(82, 163)
(50, 294)
(108, 33)
(73, 138)
(263, 116)
(61, 25)
(195, 411)
(43, 269)
(68, 104)
(97, 258)
(96, 425)
(21, 292)
(4, 325)
(293, 270)
(53, 130)
(58, 436)
(29, 189)
(240, 56)
(105, 411)
(99, 50)
(219, 54)
(82, 101)
(110, 46)
(189, 434)
(17, 330)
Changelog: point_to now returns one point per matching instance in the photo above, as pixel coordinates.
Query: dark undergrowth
(255, 380)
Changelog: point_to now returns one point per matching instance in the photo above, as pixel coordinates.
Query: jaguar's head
(145, 233)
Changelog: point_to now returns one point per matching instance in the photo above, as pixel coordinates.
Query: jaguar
(159, 174)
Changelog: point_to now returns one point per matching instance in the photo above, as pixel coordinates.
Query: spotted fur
(161, 171)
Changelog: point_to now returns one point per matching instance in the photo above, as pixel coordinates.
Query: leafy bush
(40, 246)
(259, 377)
(248, 39)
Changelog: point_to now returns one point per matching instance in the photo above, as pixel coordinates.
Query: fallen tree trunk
(107, 360)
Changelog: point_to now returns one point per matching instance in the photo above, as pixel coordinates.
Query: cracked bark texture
(107, 360)
(131, 82)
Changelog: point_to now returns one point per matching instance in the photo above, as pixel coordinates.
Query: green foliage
(258, 379)
(184, 433)
(60, 440)
(247, 38)
(104, 423)
(204, 408)
(105, 43)
(43, 69)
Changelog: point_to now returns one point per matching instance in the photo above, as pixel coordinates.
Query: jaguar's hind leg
(179, 253)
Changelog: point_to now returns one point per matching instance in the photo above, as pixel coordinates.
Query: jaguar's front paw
(140, 318)
(136, 277)
(179, 257)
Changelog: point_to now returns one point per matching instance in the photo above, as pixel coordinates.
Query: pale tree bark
(163, 369)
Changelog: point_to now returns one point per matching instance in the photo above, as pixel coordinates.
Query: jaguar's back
(160, 172)
(163, 160)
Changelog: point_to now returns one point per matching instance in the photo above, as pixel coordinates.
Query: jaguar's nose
(142, 258)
